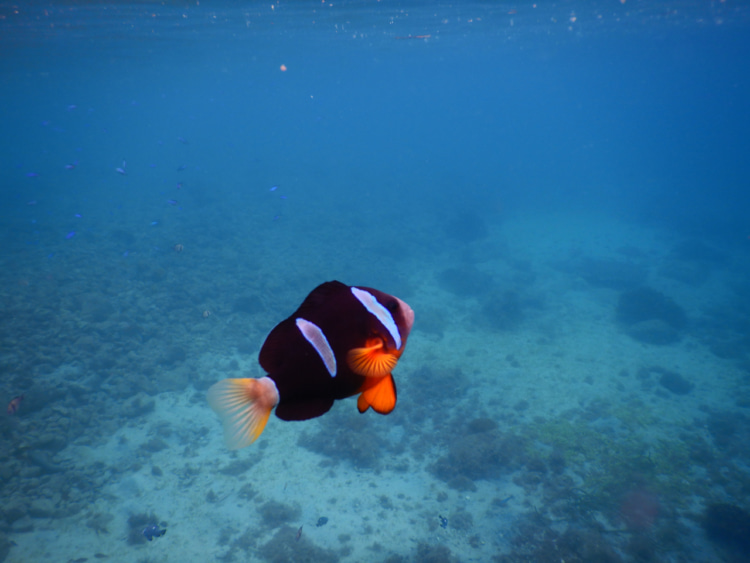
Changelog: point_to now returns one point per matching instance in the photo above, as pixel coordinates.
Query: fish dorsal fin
(381, 396)
(371, 360)
(243, 405)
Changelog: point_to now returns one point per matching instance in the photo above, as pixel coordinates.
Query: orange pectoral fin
(243, 406)
(372, 360)
(381, 396)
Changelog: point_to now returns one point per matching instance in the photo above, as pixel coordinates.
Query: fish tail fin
(381, 396)
(372, 360)
(243, 405)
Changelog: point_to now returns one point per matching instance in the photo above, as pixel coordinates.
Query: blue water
(559, 190)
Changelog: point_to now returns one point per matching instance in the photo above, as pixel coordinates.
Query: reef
(502, 310)
(240, 466)
(650, 316)
(675, 383)
(136, 525)
(535, 541)
(274, 514)
(728, 525)
(286, 547)
(347, 436)
(481, 451)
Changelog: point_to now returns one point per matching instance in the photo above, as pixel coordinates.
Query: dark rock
(138, 406)
(650, 316)
(675, 383)
(654, 331)
(646, 304)
(461, 483)
(275, 514)
(612, 274)
(461, 520)
(154, 445)
(481, 425)
(239, 466)
(729, 525)
(434, 554)
(283, 547)
(172, 356)
(136, 525)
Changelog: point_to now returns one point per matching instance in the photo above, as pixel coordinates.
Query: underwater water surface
(559, 190)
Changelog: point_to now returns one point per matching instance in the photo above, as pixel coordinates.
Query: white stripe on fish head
(319, 342)
(376, 308)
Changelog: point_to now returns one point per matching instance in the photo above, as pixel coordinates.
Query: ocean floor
(576, 388)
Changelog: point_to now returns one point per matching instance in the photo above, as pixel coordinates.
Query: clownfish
(340, 342)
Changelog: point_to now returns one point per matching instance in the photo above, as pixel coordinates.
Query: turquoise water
(559, 190)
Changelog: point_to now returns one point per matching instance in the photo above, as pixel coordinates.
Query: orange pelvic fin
(244, 406)
(372, 360)
(381, 396)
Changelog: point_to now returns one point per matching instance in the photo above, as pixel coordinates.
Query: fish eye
(392, 306)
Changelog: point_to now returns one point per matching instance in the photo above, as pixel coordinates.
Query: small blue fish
(153, 531)
(70, 235)
(443, 522)
(273, 188)
(181, 167)
(172, 201)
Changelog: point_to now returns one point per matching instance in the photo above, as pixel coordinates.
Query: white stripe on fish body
(376, 308)
(319, 342)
